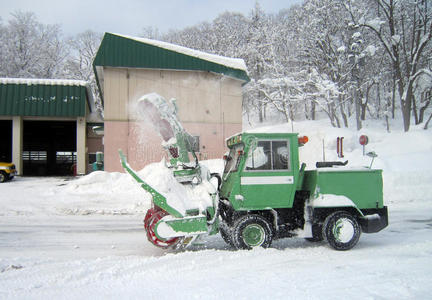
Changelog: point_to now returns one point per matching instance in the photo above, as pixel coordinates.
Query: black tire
(3, 176)
(226, 233)
(252, 231)
(341, 230)
(317, 235)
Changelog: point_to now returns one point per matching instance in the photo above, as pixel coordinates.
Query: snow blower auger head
(153, 216)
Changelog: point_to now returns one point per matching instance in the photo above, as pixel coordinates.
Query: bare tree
(79, 64)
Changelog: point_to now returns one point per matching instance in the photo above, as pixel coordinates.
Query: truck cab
(255, 165)
(266, 194)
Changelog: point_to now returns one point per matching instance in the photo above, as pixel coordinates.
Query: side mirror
(372, 155)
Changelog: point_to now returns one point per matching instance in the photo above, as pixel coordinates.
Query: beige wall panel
(116, 94)
(209, 107)
(231, 87)
(232, 109)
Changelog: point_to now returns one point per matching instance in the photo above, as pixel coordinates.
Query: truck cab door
(269, 175)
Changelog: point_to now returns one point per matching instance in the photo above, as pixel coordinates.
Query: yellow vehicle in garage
(7, 171)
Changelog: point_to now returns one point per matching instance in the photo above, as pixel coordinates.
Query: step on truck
(264, 193)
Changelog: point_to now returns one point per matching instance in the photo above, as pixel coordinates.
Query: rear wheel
(252, 231)
(341, 230)
(3, 176)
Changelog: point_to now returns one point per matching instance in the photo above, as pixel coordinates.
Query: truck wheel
(341, 230)
(252, 231)
(225, 233)
(3, 176)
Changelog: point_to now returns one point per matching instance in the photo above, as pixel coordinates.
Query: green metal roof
(43, 97)
(130, 52)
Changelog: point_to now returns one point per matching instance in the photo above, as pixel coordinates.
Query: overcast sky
(131, 16)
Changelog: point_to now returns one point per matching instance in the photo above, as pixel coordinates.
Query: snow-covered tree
(31, 49)
(404, 30)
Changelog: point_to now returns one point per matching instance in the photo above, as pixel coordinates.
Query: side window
(260, 158)
(269, 155)
(281, 155)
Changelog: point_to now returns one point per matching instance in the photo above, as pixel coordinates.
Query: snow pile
(97, 193)
(104, 193)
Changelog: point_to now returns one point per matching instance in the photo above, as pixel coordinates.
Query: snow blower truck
(263, 194)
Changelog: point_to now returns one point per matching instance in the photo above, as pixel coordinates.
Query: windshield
(231, 163)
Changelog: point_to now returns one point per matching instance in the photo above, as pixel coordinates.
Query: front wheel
(3, 176)
(341, 230)
(252, 231)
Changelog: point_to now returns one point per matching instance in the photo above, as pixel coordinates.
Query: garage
(45, 124)
(49, 148)
(5, 140)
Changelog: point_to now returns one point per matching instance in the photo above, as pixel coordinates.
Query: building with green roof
(207, 87)
(44, 124)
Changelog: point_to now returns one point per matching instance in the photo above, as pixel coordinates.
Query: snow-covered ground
(64, 238)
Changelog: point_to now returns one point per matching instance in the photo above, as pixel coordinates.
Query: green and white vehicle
(265, 194)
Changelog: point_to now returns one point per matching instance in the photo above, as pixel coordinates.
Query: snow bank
(97, 193)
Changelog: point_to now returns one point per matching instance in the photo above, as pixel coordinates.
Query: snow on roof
(235, 63)
(279, 128)
(34, 81)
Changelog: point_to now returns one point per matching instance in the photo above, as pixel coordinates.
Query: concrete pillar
(81, 146)
(17, 143)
